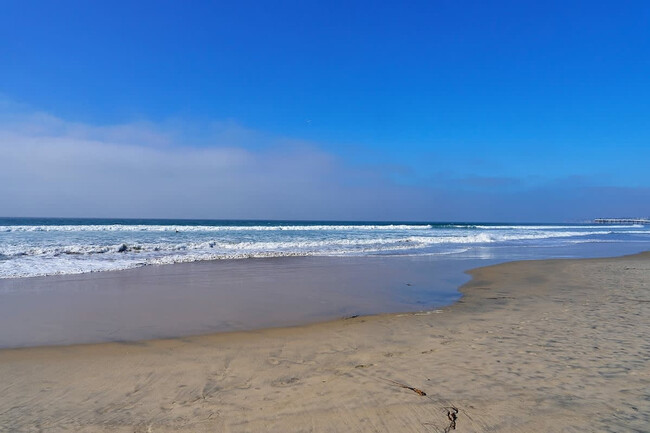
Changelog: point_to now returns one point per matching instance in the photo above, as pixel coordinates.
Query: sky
(421, 111)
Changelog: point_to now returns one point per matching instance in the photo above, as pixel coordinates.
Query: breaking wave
(42, 249)
(202, 228)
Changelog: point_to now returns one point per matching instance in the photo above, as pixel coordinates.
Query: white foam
(184, 228)
(297, 245)
(68, 249)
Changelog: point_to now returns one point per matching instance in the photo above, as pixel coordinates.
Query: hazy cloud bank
(50, 167)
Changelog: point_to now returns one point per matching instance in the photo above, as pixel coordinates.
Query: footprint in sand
(285, 381)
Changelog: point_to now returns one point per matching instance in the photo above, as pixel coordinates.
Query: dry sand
(555, 345)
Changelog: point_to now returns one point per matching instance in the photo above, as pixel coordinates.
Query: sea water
(56, 288)
(49, 246)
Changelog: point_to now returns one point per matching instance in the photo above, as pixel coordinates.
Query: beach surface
(551, 345)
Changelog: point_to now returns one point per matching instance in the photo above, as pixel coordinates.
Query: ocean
(32, 247)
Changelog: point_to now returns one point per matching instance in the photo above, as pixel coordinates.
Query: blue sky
(440, 110)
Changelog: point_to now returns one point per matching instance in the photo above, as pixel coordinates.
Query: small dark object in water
(122, 248)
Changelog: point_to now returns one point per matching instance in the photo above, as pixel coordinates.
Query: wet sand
(553, 345)
(170, 301)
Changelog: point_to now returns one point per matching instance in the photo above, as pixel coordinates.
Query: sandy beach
(213, 296)
(552, 345)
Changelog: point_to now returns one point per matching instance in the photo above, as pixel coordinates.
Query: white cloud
(51, 167)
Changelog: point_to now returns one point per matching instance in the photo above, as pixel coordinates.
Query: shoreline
(189, 299)
(517, 352)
